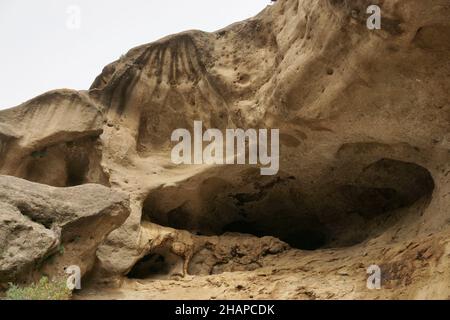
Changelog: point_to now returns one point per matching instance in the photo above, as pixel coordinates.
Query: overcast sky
(52, 44)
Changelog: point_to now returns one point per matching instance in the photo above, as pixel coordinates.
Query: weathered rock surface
(364, 119)
(52, 139)
(45, 229)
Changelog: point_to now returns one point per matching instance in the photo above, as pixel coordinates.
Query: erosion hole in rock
(77, 169)
(307, 237)
(66, 164)
(149, 266)
(159, 264)
(345, 208)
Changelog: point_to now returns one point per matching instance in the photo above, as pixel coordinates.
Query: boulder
(45, 229)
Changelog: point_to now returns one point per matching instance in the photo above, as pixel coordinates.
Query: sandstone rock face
(45, 229)
(23, 243)
(52, 140)
(364, 119)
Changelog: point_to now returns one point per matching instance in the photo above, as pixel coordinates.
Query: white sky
(39, 51)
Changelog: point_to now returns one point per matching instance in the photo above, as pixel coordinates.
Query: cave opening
(306, 237)
(158, 264)
(149, 266)
(77, 167)
(341, 211)
(66, 164)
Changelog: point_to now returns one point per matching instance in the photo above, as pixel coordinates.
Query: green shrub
(43, 290)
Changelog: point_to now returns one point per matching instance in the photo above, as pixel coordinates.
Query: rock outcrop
(364, 119)
(52, 139)
(44, 230)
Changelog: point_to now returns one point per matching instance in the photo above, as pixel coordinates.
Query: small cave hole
(77, 168)
(149, 266)
(159, 264)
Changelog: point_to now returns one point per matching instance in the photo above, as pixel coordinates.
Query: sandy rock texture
(45, 229)
(52, 139)
(364, 119)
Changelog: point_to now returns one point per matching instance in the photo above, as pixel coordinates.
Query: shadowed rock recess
(364, 119)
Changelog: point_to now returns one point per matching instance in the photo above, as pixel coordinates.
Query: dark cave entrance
(159, 264)
(66, 164)
(149, 266)
(343, 210)
(306, 237)
(77, 168)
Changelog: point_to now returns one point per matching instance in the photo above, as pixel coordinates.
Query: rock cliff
(364, 119)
